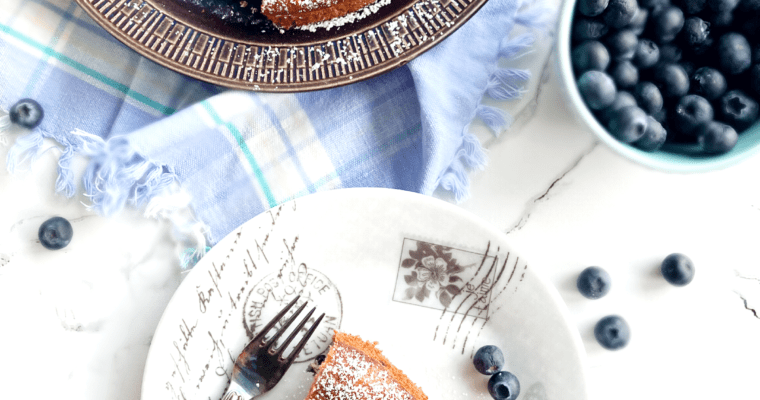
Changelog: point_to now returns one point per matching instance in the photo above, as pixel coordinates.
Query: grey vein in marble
(746, 305)
(546, 195)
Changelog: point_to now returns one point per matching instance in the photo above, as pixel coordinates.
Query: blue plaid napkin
(157, 139)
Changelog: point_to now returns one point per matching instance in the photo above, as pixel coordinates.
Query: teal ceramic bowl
(670, 158)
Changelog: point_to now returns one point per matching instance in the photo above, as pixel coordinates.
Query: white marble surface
(77, 323)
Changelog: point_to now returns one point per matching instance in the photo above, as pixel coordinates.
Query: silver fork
(260, 366)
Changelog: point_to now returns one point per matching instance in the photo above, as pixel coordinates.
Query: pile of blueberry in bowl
(672, 84)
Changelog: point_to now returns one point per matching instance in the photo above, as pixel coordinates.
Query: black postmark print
(277, 289)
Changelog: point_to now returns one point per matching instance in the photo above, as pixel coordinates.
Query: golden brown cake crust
(355, 369)
(290, 13)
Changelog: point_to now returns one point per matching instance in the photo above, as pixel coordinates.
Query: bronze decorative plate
(187, 37)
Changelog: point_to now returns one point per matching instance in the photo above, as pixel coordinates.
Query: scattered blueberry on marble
(677, 269)
(594, 283)
(55, 233)
(27, 113)
(488, 360)
(504, 386)
(612, 332)
(597, 89)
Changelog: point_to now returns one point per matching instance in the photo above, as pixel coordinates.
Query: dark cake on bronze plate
(292, 13)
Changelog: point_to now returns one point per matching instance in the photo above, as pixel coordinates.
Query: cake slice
(289, 13)
(357, 370)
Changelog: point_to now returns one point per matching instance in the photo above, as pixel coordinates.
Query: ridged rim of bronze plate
(190, 41)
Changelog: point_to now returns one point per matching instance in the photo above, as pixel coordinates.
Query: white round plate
(428, 281)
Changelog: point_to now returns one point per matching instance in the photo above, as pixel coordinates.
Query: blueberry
(677, 269)
(749, 6)
(597, 89)
(612, 332)
(751, 27)
(639, 21)
(734, 53)
(55, 233)
(504, 386)
(488, 360)
(622, 99)
(27, 113)
(625, 75)
(654, 5)
(622, 44)
(738, 110)
(692, 6)
(654, 137)
(708, 83)
(647, 54)
(716, 137)
(648, 97)
(594, 282)
(755, 76)
(721, 20)
(672, 80)
(670, 54)
(590, 56)
(690, 112)
(720, 6)
(592, 8)
(695, 32)
(661, 117)
(689, 67)
(588, 29)
(620, 13)
(666, 24)
(628, 124)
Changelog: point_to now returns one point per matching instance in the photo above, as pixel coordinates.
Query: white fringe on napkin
(117, 175)
(504, 84)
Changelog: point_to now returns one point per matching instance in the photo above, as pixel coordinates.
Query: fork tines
(269, 345)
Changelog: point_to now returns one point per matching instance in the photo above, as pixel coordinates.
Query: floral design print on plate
(432, 275)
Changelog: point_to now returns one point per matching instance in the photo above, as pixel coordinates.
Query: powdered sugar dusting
(346, 19)
(354, 376)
